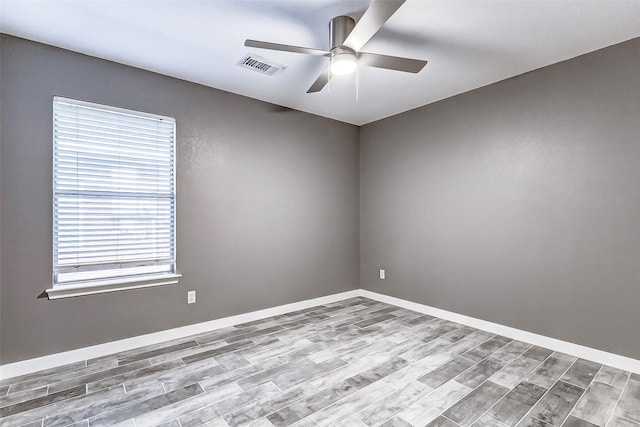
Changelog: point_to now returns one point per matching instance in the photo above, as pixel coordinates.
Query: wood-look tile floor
(352, 363)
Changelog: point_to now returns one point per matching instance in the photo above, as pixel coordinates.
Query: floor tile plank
(266, 406)
(393, 403)
(538, 353)
(347, 406)
(106, 401)
(446, 372)
(581, 373)
(487, 348)
(629, 405)
(532, 422)
(515, 405)
(42, 401)
(427, 409)
(514, 372)
(376, 373)
(303, 408)
(612, 376)
(141, 407)
(21, 396)
(598, 403)
(622, 422)
(476, 403)
(75, 381)
(43, 375)
(577, 422)
(158, 352)
(549, 371)
(62, 406)
(190, 404)
(479, 373)
(555, 406)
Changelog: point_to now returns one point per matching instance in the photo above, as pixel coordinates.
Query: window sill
(111, 285)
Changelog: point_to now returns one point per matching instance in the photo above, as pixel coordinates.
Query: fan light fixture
(343, 63)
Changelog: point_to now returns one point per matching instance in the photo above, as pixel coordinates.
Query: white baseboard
(577, 350)
(58, 359)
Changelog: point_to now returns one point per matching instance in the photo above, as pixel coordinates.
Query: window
(114, 199)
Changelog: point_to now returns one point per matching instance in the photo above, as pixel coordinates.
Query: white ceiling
(468, 43)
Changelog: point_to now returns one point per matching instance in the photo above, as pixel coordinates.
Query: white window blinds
(113, 194)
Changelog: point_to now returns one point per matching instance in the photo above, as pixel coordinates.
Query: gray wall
(517, 203)
(267, 203)
(1, 40)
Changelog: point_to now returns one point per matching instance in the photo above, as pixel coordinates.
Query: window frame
(118, 283)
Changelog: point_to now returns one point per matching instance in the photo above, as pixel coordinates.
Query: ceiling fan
(346, 38)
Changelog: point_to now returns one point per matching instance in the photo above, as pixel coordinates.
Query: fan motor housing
(339, 29)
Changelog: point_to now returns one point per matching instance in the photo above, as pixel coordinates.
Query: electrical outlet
(382, 275)
(191, 297)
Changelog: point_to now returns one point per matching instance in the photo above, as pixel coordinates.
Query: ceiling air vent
(261, 65)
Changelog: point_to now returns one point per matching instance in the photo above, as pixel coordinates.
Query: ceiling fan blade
(286, 48)
(320, 82)
(391, 62)
(374, 18)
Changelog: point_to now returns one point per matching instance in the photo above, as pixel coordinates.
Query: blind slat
(117, 254)
(64, 121)
(73, 245)
(98, 228)
(107, 116)
(79, 158)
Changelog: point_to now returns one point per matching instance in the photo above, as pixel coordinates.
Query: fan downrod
(339, 28)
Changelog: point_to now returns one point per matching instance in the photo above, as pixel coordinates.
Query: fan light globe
(343, 63)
